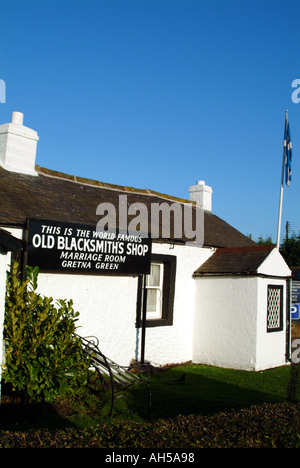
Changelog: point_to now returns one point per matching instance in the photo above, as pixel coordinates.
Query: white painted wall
(230, 328)
(225, 322)
(107, 307)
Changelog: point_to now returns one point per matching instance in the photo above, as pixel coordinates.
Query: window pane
(151, 300)
(154, 278)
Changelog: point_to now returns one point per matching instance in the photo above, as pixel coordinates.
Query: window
(275, 308)
(160, 286)
(154, 286)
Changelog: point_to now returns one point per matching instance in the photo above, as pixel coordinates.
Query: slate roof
(235, 261)
(61, 197)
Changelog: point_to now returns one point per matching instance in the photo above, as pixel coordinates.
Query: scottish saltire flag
(287, 144)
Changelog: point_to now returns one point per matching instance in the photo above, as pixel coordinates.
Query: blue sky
(160, 93)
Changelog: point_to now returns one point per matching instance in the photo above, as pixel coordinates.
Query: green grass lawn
(205, 390)
(208, 390)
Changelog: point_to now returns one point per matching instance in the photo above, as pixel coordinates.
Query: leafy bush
(43, 358)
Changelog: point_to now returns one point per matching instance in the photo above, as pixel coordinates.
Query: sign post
(144, 313)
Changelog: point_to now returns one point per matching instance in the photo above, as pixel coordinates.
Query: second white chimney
(201, 194)
(18, 146)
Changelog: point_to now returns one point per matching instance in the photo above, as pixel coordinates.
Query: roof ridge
(106, 185)
(252, 248)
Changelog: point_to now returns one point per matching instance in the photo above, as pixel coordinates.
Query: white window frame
(157, 313)
(167, 295)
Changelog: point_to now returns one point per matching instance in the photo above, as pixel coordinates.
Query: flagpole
(281, 188)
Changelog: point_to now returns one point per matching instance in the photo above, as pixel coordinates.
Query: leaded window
(275, 308)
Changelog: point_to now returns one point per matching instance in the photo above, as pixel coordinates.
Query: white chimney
(18, 146)
(201, 194)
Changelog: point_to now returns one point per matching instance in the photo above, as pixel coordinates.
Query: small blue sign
(295, 312)
(295, 292)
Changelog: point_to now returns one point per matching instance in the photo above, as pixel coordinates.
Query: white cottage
(242, 301)
(224, 303)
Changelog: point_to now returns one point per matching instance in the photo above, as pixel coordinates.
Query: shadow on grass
(180, 391)
(18, 414)
(21, 416)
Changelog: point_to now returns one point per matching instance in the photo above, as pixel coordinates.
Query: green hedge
(265, 426)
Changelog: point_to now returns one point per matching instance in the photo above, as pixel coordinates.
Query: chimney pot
(17, 118)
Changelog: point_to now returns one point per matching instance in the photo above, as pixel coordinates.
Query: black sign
(55, 246)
